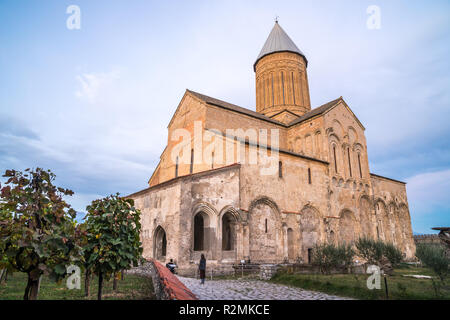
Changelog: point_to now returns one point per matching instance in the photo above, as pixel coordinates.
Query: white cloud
(92, 84)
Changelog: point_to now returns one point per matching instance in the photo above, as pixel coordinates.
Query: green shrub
(370, 250)
(374, 251)
(434, 257)
(393, 254)
(345, 255)
(324, 256)
(329, 256)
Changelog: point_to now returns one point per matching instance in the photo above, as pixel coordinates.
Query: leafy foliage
(370, 250)
(434, 257)
(329, 256)
(345, 253)
(393, 254)
(374, 251)
(37, 227)
(113, 236)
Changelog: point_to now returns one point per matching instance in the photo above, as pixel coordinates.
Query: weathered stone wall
(172, 206)
(160, 207)
(282, 201)
(393, 219)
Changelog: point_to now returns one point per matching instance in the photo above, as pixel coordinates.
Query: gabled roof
(278, 41)
(316, 111)
(233, 107)
(254, 114)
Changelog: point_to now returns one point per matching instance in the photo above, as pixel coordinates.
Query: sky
(93, 104)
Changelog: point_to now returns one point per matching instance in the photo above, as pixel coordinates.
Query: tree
(434, 257)
(392, 254)
(38, 227)
(345, 254)
(113, 230)
(377, 252)
(329, 256)
(324, 256)
(371, 250)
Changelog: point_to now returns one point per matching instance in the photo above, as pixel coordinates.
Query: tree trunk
(100, 285)
(27, 289)
(87, 283)
(3, 274)
(32, 289)
(122, 275)
(115, 282)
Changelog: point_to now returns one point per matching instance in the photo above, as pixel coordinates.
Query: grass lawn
(133, 287)
(354, 285)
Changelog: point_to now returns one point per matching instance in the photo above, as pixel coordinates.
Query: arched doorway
(309, 232)
(228, 232)
(201, 221)
(160, 244)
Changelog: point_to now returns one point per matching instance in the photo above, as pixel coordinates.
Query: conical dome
(278, 41)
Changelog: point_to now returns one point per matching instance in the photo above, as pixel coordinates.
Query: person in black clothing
(171, 266)
(202, 268)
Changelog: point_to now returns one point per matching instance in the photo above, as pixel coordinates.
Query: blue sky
(93, 104)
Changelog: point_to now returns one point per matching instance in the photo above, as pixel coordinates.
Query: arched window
(293, 90)
(280, 169)
(300, 88)
(349, 162)
(273, 96)
(359, 163)
(282, 85)
(335, 159)
(309, 176)
(176, 168)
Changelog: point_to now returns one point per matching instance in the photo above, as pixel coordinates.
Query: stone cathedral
(207, 196)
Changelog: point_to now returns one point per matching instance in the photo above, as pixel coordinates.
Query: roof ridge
(249, 112)
(316, 111)
(234, 107)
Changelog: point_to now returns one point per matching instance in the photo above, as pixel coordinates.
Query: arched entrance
(160, 244)
(228, 232)
(309, 232)
(201, 221)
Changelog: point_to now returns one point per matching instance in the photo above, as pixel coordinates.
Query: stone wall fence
(167, 286)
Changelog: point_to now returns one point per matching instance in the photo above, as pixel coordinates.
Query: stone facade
(212, 199)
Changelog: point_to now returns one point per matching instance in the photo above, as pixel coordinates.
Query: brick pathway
(250, 290)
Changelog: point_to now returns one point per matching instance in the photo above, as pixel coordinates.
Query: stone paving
(250, 290)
